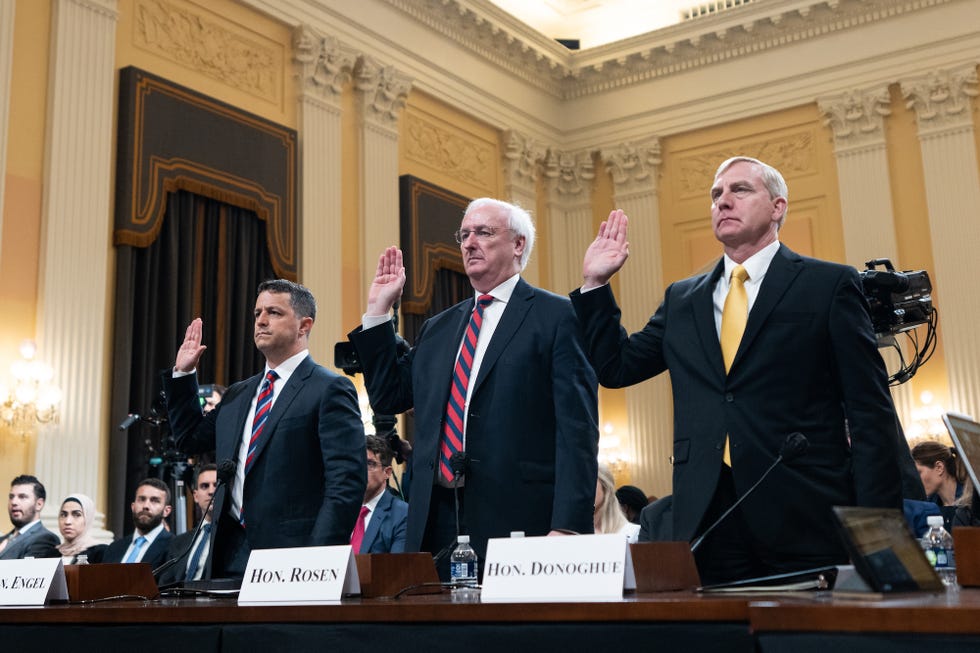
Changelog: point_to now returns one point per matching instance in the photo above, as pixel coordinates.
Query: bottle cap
(465, 539)
(935, 520)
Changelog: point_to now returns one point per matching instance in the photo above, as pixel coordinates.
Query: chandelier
(33, 399)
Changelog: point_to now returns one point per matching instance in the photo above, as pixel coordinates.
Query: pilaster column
(6, 68)
(569, 177)
(323, 66)
(857, 118)
(76, 223)
(634, 167)
(381, 95)
(943, 111)
(521, 159)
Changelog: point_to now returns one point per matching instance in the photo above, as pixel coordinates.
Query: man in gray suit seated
(29, 538)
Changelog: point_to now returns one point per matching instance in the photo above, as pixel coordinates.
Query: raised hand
(191, 349)
(388, 282)
(608, 252)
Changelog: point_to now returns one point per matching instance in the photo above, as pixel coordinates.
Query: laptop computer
(884, 551)
(965, 433)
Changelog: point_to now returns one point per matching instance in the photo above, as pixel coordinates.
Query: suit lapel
(231, 439)
(514, 314)
(289, 391)
(704, 317)
(785, 266)
(374, 527)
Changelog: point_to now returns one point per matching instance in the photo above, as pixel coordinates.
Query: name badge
(570, 568)
(299, 575)
(32, 581)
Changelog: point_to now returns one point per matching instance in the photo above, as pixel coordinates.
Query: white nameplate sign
(32, 581)
(305, 574)
(559, 568)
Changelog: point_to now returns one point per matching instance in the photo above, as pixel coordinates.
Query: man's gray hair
(517, 219)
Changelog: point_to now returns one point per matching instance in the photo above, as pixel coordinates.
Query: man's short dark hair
(300, 297)
(154, 483)
(380, 447)
(27, 479)
(207, 467)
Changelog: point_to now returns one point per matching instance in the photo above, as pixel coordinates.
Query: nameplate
(299, 575)
(32, 581)
(560, 568)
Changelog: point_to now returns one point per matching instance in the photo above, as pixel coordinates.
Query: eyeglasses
(481, 233)
(374, 464)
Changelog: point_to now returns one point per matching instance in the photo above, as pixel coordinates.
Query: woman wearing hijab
(74, 521)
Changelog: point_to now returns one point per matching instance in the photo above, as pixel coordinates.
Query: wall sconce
(32, 400)
(611, 453)
(927, 422)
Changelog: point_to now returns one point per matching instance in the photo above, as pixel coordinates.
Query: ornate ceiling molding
(495, 36)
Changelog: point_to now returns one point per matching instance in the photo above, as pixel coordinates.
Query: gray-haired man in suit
(29, 538)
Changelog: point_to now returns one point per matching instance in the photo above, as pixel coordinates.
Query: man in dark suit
(789, 349)
(29, 538)
(383, 521)
(189, 551)
(294, 431)
(150, 539)
(522, 414)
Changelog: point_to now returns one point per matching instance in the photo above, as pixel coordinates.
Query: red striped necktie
(452, 429)
(262, 407)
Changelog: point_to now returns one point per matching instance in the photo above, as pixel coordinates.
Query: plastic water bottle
(82, 559)
(938, 546)
(463, 571)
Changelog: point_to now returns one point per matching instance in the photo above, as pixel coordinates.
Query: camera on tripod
(898, 301)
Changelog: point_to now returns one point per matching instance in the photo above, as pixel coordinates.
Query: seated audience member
(608, 516)
(212, 396)
(382, 524)
(29, 538)
(656, 521)
(150, 539)
(194, 549)
(75, 521)
(632, 500)
(940, 473)
(943, 477)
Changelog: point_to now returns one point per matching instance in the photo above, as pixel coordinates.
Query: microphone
(457, 463)
(131, 419)
(794, 446)
(226, 472)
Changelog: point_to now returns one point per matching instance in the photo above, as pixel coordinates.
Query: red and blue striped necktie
(262, 407)
(452, 429)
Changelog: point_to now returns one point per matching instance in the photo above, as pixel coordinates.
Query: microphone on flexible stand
(794, 446)
(226, 472)
(457, 463)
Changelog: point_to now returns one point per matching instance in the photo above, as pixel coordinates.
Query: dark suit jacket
(178, 571)
(532, 434)
(386, 531)
(307, 480)
(37, 542)
(808, 359)
(155, 556)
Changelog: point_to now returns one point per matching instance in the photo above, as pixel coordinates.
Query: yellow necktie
(733, 319)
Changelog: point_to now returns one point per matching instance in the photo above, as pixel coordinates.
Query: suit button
(729, 397)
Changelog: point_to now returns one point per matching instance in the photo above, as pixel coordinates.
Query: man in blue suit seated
(381, 525)
(149, 542)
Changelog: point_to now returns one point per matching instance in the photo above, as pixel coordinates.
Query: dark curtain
(448, 289)
(206, 262)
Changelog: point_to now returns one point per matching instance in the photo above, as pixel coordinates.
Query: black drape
(206, 262)
(448, 289)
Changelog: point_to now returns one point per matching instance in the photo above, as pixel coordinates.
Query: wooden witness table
(666, 621)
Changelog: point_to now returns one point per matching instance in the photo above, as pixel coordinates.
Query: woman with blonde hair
(608, 517)
(75, 520)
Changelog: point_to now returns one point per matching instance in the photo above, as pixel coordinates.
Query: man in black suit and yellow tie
(294, 430)
(501, 379)
(767, 344)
